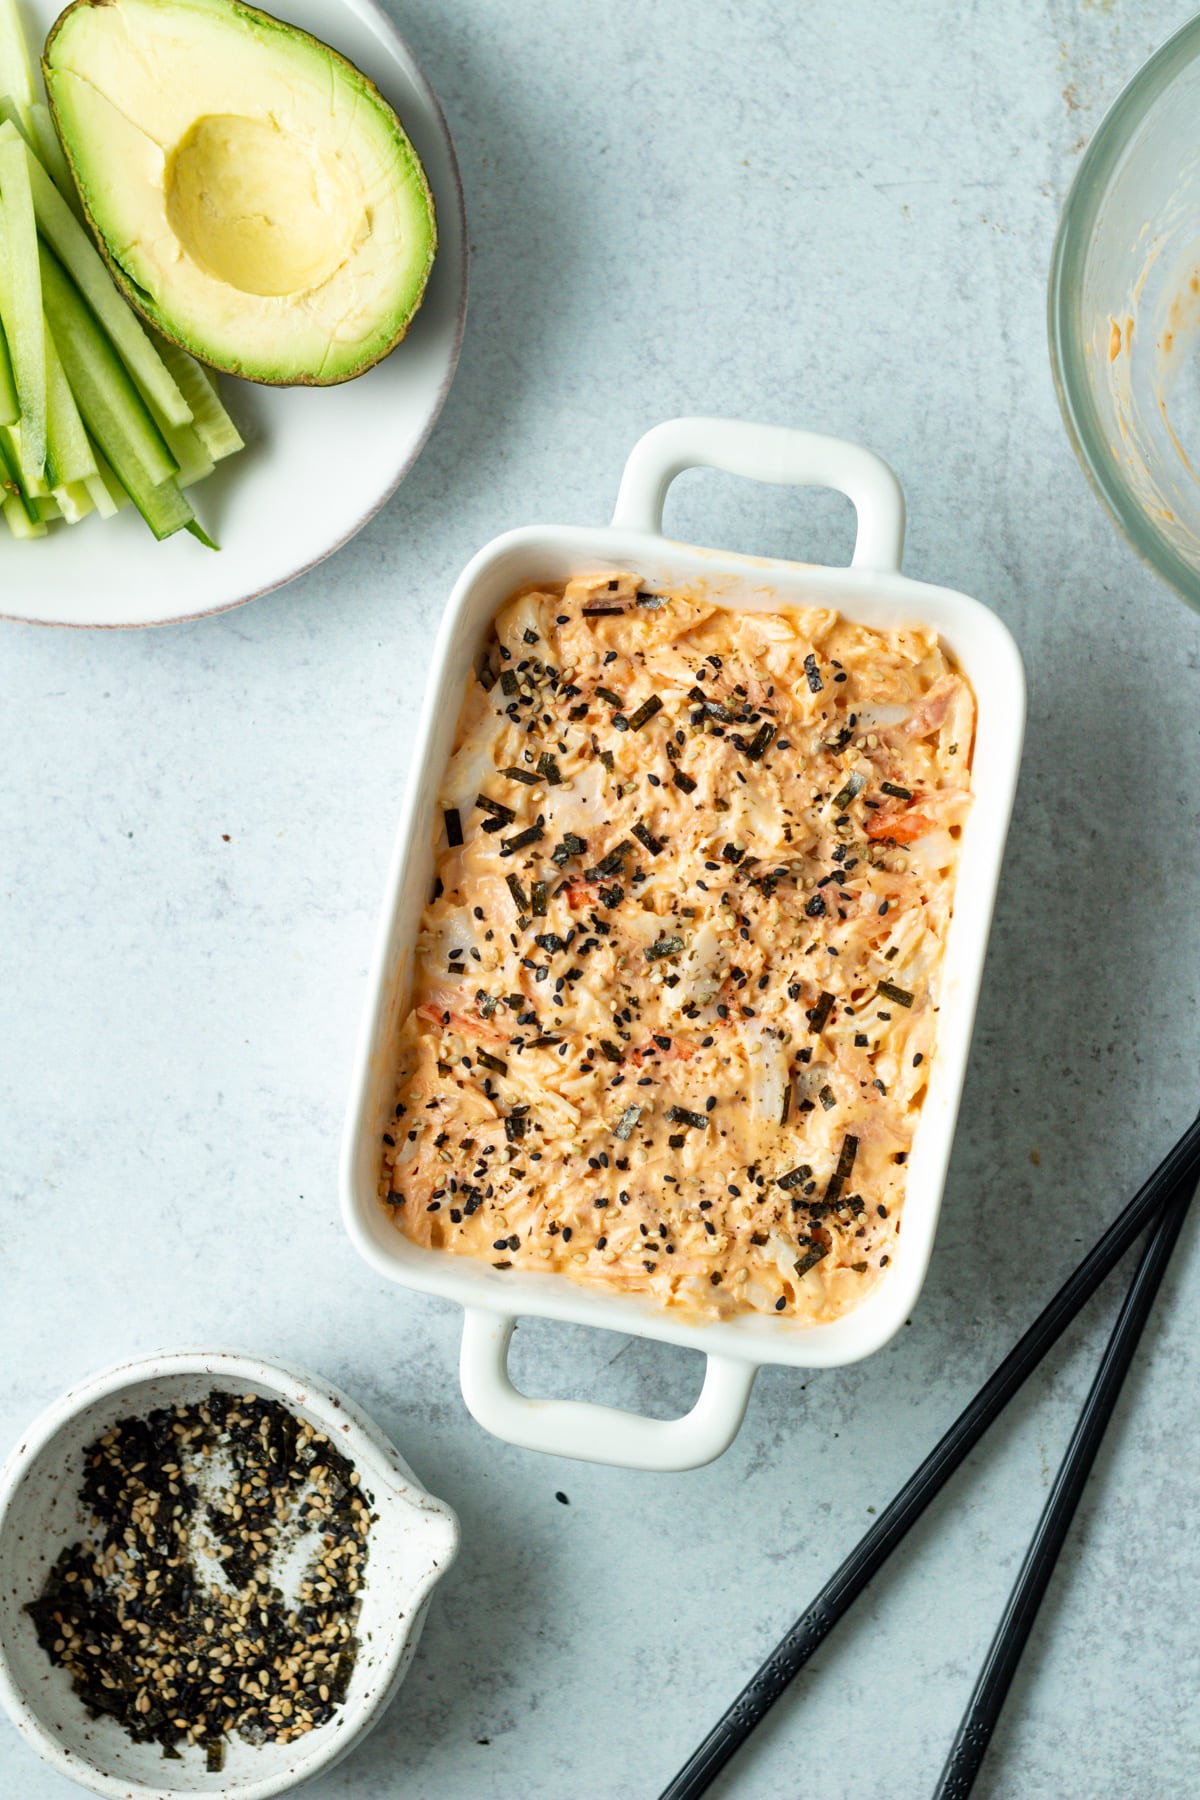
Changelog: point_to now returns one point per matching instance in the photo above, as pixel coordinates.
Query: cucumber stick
(16, 69)
(33, 477)
(10, 411)
(12, 112)
(185, 446)
(11, 485)
(18, 524)
(74, 501)
(211, 423)
(46, 147)
(102, 388)
(101, 499)
(21, 295)
(19, 521)
(79, 256)
(37, 128)
(105, 489)
(69, 456)
(33, 481)
(113, 410)
(20, 513)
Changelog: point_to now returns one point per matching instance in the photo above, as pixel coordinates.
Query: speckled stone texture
(834, 216)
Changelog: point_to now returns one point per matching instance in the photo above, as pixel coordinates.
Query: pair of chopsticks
(1163, 1202)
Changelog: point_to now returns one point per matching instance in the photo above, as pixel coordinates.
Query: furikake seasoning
(169, 1614)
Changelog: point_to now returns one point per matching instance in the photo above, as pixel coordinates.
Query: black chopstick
(1000, 1665)
(1178, 1171)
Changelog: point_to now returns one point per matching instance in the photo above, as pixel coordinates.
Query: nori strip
(525, 775)
(679, 1115)
(518, 893)
(537, 899)
(760, 743)
(683, 782)
(610, 864)
(854, 786)
(897, 793)
(572, 845)
(841, 1174)
(647, 839)
(531, 835)
(497, 808)
(547, 767)
(814, 674)
(665, 946)
(812, 1256)
(818, 1015)
(603, 693)
(795, 1177)
(454, 830)
(645, 712)
(900, 995)
(496, 1064)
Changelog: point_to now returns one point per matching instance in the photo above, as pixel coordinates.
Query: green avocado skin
(278, 341)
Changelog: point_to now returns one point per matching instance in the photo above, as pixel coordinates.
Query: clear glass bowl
(1125, 312)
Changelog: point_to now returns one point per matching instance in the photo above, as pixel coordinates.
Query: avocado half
(254, 195)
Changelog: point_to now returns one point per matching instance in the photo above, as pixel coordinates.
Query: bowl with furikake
(214, 1572)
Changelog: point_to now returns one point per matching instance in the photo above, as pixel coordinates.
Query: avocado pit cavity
(258, 207)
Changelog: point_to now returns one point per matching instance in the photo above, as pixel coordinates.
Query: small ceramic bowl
(413, 1541)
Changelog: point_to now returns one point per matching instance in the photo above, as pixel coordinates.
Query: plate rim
(374, 13)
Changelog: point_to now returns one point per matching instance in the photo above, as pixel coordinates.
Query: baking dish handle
(766, 453)
(590, 1433)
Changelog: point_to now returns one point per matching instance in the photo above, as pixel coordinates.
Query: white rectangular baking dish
(872, 591)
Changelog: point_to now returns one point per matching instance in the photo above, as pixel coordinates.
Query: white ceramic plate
(318, 462)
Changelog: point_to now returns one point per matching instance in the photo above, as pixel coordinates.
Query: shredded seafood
(675, 993)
